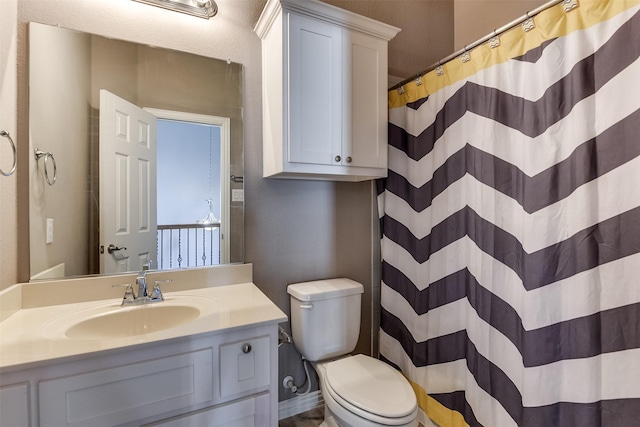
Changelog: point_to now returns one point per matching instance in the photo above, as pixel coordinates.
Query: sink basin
(103, 321)
(133, 321)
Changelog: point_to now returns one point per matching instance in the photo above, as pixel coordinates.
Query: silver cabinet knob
(246, 348)
(348, 159)
(338, 158)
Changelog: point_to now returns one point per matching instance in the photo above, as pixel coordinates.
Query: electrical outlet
(237, 195)
(49, 230)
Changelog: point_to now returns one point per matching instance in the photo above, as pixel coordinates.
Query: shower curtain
(510, 225)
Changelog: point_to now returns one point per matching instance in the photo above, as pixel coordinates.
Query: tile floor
(312, 418)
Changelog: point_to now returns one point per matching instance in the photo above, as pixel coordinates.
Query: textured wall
(477, 18)
(60, 124)
(8, 185)
(427, 30)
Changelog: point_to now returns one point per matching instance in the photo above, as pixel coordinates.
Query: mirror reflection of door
(163, 188)
(127, 185)
(193, 189)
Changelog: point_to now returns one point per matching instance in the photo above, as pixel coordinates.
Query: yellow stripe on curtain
(549, 24)
(437, 412)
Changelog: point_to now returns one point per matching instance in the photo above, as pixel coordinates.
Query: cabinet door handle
(338, 158)
(246, 348)
(348, 159)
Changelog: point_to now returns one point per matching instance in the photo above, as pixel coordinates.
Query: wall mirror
(136, 156)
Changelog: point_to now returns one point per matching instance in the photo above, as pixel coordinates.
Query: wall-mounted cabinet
(324, 83)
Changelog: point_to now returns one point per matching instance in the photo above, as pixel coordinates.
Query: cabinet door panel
(365, 130)
(127, 393)
(315, 90)
(244, 365)
(14, 405)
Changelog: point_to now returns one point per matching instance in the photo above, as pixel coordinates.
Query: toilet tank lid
(324, 289)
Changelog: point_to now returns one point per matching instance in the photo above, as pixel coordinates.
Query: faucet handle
(128, 293)
(156, 294)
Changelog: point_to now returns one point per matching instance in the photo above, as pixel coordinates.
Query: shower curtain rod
(467, 48)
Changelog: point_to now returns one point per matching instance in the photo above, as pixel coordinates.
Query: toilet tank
(325, 317)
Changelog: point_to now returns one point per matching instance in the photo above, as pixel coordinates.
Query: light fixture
(200, 8)
(210, 219)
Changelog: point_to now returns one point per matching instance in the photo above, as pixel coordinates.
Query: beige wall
(8, 185)
(60, 125)
(426, 30)
(477, 18)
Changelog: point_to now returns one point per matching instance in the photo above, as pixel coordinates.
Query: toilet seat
(371, 389)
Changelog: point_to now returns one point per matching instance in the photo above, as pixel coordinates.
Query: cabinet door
(314, 107)
(123, 394)
(244, 365)
(365, 101)
(14, 405)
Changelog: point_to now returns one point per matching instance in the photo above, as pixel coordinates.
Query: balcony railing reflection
(188, 245)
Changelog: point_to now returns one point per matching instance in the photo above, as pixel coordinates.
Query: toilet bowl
(358, 390)
(361, 391)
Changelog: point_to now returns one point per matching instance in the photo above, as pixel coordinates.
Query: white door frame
(225, 158)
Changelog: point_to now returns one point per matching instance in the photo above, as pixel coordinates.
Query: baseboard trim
(300, 404)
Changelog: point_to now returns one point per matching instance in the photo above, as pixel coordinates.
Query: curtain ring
(15, 156)
(37, 154)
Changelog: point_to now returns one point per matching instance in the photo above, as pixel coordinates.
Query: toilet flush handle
(307, 306)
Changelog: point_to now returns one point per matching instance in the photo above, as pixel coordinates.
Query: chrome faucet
(143, 296)
(141, 280)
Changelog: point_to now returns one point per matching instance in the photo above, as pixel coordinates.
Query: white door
(127, 185)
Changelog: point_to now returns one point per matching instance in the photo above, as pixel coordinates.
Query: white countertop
(29, 335)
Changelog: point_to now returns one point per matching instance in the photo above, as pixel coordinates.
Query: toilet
(358, 390)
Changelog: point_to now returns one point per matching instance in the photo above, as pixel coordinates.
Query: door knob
(112, 248)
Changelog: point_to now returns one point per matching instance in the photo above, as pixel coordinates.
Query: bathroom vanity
(211, 361)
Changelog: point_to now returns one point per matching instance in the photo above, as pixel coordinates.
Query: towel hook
(15, 156)
(47, 154)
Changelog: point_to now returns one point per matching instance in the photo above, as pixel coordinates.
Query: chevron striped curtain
(511, 226)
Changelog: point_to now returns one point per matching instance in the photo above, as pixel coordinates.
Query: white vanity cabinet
(220, 379)
(324, 80)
